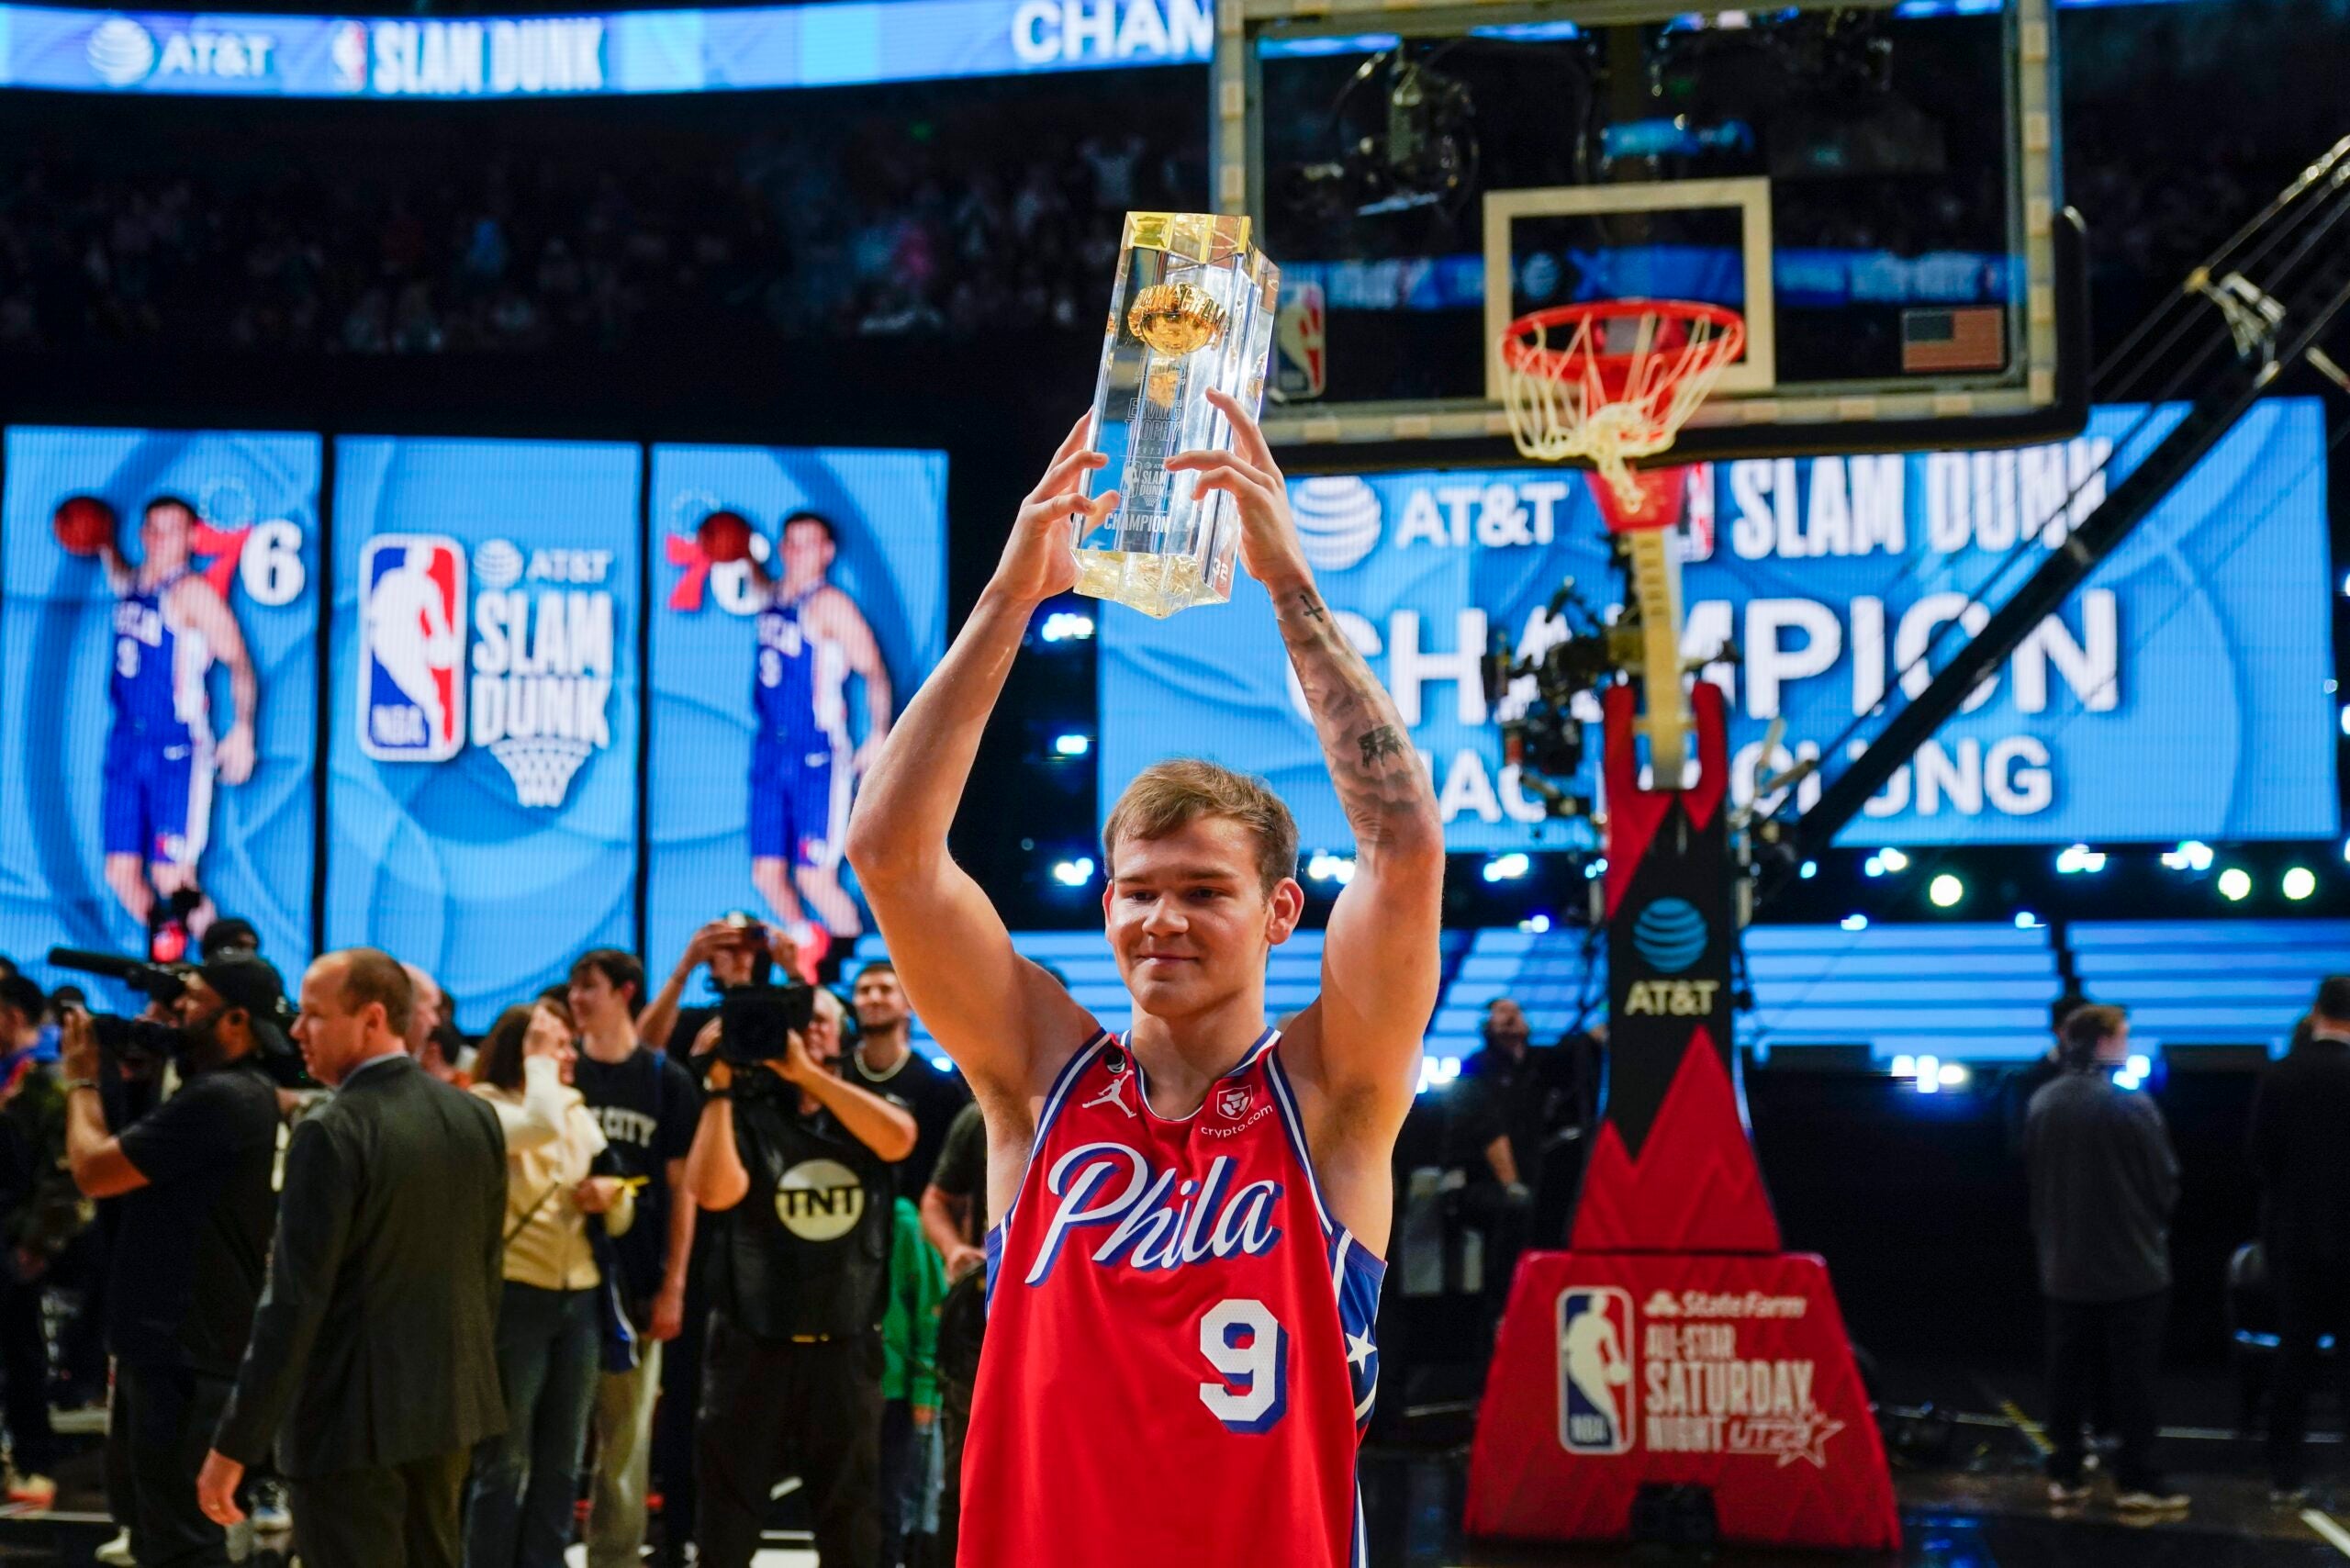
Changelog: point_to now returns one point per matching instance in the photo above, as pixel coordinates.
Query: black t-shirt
(191, 1248)
(647, 1106)
(691, 1022)
(962, 1167)
(1527, 1101)
(807, 1251)
(933, 1096)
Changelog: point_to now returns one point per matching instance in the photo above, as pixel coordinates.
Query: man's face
(731, 966)
(424, 1011)
(198, 1009)
(1188, 918)
(2114, 1048)
(1505, 1025)
(163, 537)
(824, 1033)
(807, 552)
(594, 1001)
(881, 1000)
(333, 1035)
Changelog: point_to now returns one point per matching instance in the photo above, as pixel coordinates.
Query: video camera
(754, 1021)
(130, 1037)
(149, 1040)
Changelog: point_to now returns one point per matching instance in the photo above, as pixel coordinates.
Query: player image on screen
(170, 626)
(1185, 1277)
(811, 639)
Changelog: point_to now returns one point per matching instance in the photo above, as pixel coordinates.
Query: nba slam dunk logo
(1596, 1383)
(534, 693)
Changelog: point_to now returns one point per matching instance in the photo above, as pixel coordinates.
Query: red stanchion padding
(1695, 1188)
(1617, 1369)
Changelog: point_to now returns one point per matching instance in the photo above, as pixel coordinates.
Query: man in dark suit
(372, 1359)
(2299, 1116)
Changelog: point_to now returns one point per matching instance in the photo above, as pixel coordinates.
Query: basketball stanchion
(1673, 1375)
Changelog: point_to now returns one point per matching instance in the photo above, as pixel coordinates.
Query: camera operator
(740, 950)
(191, 1242)
(798, 1271)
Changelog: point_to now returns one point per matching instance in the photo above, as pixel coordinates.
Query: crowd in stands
(878, 228)
(967, 210)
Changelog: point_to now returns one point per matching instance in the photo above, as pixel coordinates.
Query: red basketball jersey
(1178, 1360)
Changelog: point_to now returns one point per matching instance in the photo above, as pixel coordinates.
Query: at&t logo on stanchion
(1597, 1388)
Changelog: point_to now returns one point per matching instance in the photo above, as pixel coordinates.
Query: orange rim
(1559, 364)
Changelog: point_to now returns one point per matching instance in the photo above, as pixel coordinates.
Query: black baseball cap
(250, 982)
(222, 936)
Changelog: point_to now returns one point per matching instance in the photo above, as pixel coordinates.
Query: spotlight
(2236, 884)
(2192, 854)
(1929, 1075)
(2079, 858)
(1594, 869)
(1073, 873)
(1856, 923)
(2300, 883)
(1810, 869)
(1952, 1075)
(1904, 1067)
(1892, 859)
(1508, 867)
(1073, 744)
(1325, 867)
(1535, 925)
(2027, 920)
(1066, 626)
(1945, 890)
(2346, 721)
(1872, 866)
(2141, 1067)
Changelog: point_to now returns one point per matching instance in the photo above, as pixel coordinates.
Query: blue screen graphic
(121, 716)
(2180, 693)
(756, 732)
(482, 797)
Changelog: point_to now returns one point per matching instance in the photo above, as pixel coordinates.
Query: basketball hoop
(540, 767)
(1612, 381)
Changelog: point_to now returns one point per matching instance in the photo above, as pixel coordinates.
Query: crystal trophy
(1193, 308)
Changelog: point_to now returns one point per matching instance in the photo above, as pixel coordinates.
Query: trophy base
(1157, 585)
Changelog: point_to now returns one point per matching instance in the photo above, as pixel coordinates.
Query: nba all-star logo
(537, 686)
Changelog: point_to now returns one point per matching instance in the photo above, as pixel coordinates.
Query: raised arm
(1005, 1022)
(1360, 1045)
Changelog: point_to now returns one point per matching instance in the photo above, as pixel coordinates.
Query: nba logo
(1597, 1388)
(411, 647)
(1696, 538)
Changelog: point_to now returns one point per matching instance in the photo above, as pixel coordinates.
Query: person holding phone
(791, 1165)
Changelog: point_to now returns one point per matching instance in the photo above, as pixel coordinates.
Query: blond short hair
(1170, 796)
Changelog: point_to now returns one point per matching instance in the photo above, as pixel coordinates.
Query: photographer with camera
(792, 1163)
(739, 950)
(192, 1238)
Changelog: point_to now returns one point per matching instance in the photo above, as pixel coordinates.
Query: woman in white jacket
(549, 1331)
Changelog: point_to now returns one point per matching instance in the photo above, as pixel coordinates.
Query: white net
(541, 768)
(1612, 388)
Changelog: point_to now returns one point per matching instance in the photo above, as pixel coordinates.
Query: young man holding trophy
(1183, 1282)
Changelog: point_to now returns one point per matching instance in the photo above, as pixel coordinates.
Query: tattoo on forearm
(1380, 781)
